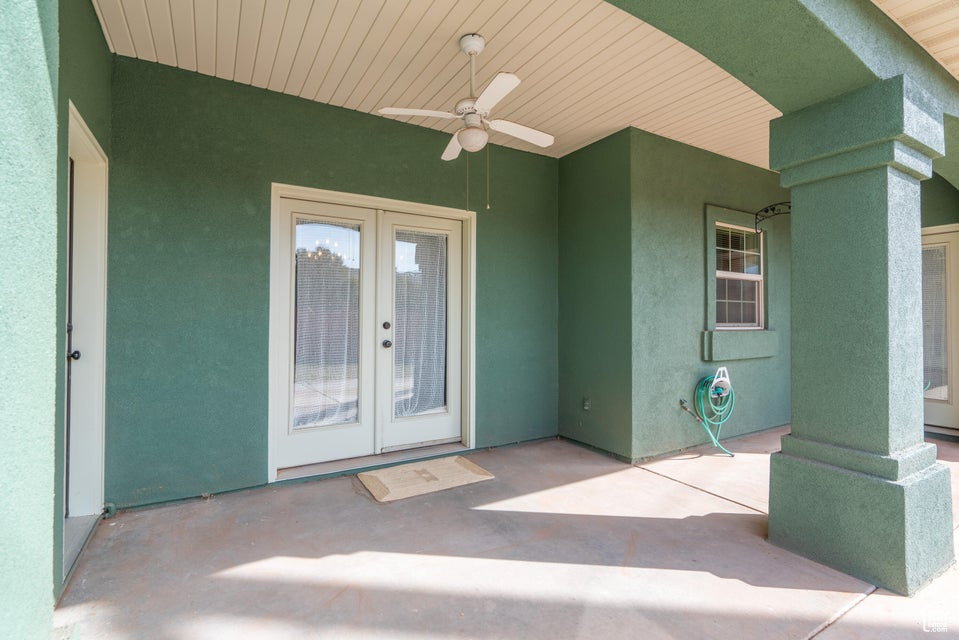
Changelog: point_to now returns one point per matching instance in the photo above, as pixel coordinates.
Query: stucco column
(855, 486)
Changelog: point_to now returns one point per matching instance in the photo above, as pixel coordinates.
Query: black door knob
(387, 343)
(74, 355)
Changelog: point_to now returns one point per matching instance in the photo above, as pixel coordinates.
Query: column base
(896, 534)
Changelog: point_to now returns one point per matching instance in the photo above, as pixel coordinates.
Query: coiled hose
(713, 409)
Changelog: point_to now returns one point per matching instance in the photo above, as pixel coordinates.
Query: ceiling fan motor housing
(473, 120)
(465, 106)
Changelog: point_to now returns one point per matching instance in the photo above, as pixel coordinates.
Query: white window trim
(733, 275)
(278, 340)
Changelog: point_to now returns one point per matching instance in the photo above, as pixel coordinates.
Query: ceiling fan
(474, 110)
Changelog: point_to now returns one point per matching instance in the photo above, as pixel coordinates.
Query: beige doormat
(418, 478)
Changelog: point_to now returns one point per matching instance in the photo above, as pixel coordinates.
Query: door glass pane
(327, 312)
(934, 328)
(419, 335)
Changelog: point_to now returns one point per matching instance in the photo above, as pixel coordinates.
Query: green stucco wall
(86, 70)
(517, 315)
(28, 338)
(633, 309)
(192, 162)
(671, 184)
(940, 202)
(594, 311)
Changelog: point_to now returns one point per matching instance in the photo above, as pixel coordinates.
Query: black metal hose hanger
(771, 211)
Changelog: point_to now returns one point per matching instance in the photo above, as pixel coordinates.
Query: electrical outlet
(587, 404)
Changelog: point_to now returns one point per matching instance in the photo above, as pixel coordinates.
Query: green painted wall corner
(29, 76)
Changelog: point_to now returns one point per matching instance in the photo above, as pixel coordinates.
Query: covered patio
(564, 543)
(244, 240)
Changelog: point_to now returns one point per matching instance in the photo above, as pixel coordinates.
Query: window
(739, 278)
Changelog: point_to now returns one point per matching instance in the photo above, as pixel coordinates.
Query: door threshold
(364, 462)
(77, 531)
(942, 431)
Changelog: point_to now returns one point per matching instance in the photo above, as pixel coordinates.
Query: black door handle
(387, 343)
(74, 355)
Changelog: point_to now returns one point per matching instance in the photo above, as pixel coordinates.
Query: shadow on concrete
(562, 544)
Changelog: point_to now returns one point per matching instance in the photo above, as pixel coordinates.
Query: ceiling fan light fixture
(472, 138)
(475, 109)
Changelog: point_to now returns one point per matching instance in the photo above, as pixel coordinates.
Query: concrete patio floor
(564, 543)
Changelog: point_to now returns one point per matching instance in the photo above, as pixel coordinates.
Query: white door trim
(278, 340)
(368, 202)
(91, 171)
(943, 413)
(943, 228)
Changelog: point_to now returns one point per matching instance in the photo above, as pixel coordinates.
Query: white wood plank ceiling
(934, 24)
(588, 69)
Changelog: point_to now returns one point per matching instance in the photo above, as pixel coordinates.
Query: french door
(419, 326)
(374, 332)
(940, 314)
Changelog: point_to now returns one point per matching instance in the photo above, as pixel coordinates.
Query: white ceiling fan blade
(519, 131)
(426, 113)
(453, 148)
(495, 91)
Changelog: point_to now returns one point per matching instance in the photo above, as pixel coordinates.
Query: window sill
(739, 344)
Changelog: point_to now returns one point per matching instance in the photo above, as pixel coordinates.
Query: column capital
(892, 122)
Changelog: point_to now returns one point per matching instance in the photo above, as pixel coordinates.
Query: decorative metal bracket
(771, 211)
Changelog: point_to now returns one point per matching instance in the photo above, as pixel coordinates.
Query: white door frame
(279, 320)
(952, 331)
(86, 446)
(943, 228)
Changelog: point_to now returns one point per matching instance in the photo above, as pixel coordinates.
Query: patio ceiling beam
(797, 53)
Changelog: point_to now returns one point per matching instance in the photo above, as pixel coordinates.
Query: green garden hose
(714, 407)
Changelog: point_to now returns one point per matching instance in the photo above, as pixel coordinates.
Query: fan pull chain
(467, 181)
(487, 177)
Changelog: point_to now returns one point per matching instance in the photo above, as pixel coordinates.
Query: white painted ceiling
(588, 69)
(934, 24)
